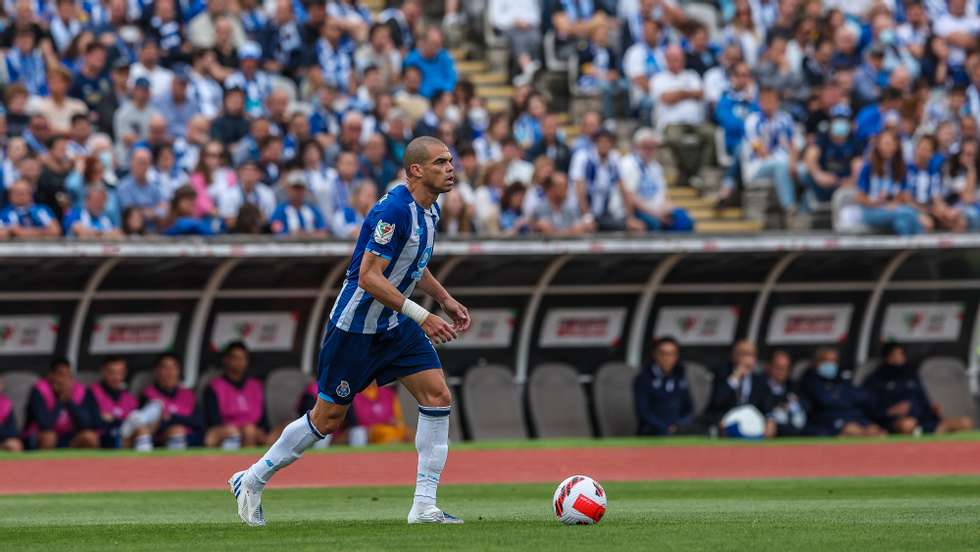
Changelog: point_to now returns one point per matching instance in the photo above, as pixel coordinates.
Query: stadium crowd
(290, 117)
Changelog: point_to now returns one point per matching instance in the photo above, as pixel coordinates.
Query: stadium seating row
(555, 405)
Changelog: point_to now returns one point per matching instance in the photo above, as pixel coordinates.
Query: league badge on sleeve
(383, 232)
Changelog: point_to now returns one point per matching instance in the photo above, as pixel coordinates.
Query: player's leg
(432, 442)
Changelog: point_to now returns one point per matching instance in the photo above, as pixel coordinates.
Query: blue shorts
(349, 362)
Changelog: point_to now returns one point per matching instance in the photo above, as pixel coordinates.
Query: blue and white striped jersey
(400, 231)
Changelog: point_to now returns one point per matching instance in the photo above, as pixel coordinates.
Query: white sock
(323, 443)
(298, 436)
(432, 442)
(232, 443)
(143, 443)
(357, 436)
(177, 442)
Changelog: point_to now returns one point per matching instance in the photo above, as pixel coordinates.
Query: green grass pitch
(935, 513)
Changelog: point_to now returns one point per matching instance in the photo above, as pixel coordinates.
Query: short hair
(59, 72)
(112, 359)
(58, 362)
(417, 151)
(164, 356)
(78, 117)
(236, 344)
(665, 339)
(889, 347)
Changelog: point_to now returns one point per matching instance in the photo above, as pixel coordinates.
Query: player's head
(166, 371)
(429, 163)
(114, 372)
(666, 353)
(234, 358)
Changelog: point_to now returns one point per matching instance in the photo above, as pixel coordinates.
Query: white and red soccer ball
(579, 500)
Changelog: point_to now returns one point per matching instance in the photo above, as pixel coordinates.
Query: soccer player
(377, 333)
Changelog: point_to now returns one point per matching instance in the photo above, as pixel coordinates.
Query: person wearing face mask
(831, 159)
(900, 399)
(837, 407)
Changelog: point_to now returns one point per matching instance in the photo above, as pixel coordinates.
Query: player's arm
(431, 287)
(371, 279)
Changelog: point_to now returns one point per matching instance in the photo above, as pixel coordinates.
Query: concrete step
(471, 67)
(706, 213)
(496, 105)
(728, 227)
(488, 79)
(676, 192)
(492, 91)
(692, 202)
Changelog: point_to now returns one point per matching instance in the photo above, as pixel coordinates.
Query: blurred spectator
(551, 144)
(598, 187)
(375, 163)
(148, 67)
(438, 70)
(110, 102)
(281, 41)
(25, 64)
(901, 402)
(132, 121)
(294, 216)
(555, 216)
(379, 412)
(56, 165)
(15, 101)
(256, 83)
(179, 418)
(641, 62)
(924, 189)
(661, 394)
(785, 413)
(176, 104)
(9, 429)
(833, 159)
(250, 190)
(91, 221)
(348, 220)
(960, 182)
(738, 382)
(380, 52)
(59, 411)
(837, 407)
(133, 222)
(679, 111)
(22, 218)
(200, 29)
(881, 180)
(57, 106)
(646, 188)
(699, 56)
(512, 221)
(234, 403)
(599, 69)
(114, 404)
(768, 151)
(183, 218)
(141, 189)
(212, 177)
(520, 23)
(487, 197)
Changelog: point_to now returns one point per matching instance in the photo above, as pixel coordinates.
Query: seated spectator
(901, 402)
(131, 122)
(661, 394)
(438, 70)
(294, 216)
(572, 20)
(738, 382)
(256, 83)
(234, 404)
(555, 216)
(520, 23)
(679, 111)
(527, 126)
(250, 190)
(872, 119)
(58, 107)
(409, 99)
(332, 56)
(380, 52)
(518, 170)
(598, 186)
(551, 144)
(641, 62)
(56, 167)
(487, 197)
(488, 147)
(231, 125)
(599, 69)
(924, 189)
(880, 182)
(768, 151)
(699, 56)
(960, 182)
(91, 221)
(9, 429)
(379, 412)
(60, 412)
(133, 223)
(114, 405)
(375, 164)
(182, 219)
(141, 189)
(168, 172)
(25, 63)
(212, 177)
(785, 413)
(180, 422)
(348, 221)
(832, 160)
(512, 221)
(646, 188)
(23, 219)
(774, 71)
(148, 67)
(837, 407)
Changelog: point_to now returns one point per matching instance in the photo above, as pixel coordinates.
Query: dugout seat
(283, 387)
(557, 402)
(493, 403)
(947, 383)
(87, 377)
(865, 370)
(140, 381)
(203, 380)
(410, 411)
(700, 379)
(612, 392)
(17, 386)
(799, 368)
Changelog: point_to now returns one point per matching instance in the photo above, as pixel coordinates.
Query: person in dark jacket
(837, 407)
(60, 413)
(9, 440)
(737, 383)
(785, 413)
(661, 394)
(900, 400)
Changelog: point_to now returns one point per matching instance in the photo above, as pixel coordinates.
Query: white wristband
(414, 311)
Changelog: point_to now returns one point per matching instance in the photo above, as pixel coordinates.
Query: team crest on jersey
(383, 232)
(343, 389)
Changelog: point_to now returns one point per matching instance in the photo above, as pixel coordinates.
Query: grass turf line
(920, 513)
(516, 444)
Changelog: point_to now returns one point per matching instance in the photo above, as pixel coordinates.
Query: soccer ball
(579, 500)
(744, 422)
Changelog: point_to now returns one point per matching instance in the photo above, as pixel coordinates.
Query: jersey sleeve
(389, 227)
